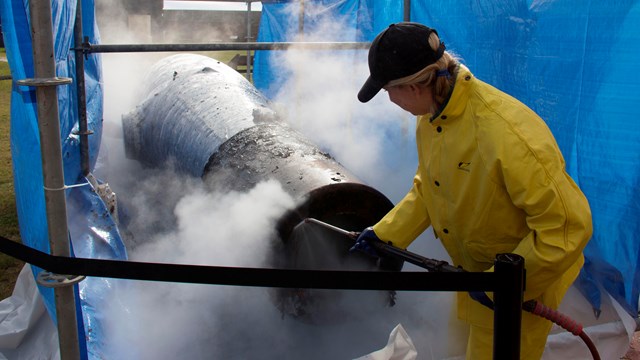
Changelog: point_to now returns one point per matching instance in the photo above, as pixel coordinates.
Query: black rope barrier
(242, 276)
(506, 282)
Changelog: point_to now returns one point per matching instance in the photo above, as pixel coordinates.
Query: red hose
(590, 345)
(563, 321)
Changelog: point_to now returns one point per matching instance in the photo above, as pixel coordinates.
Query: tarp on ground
(571, 61)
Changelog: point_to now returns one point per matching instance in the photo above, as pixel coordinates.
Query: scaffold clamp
(48, 279)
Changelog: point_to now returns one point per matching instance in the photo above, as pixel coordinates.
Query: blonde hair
(441, 85)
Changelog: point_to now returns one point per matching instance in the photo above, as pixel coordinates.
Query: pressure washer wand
(531, 306)
(381, 247)
(350, 234)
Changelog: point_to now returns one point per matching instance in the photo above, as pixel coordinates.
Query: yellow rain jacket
(491, 179)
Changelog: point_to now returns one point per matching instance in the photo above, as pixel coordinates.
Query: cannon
(219, 127)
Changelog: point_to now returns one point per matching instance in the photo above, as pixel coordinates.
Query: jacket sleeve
(557, 212)
(407, 220)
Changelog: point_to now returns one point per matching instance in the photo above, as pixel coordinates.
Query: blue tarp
(571, 61)
(94, 234)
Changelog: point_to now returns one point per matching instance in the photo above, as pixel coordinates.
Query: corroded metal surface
(193, 104)
(326, 189)
(217, 125)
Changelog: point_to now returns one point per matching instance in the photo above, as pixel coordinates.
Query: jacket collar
(455, 103)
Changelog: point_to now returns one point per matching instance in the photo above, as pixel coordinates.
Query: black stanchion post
(507, 317)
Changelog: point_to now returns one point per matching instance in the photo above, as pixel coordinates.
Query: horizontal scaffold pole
(224, 46)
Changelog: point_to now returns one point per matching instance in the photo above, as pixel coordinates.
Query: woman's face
(415, 99)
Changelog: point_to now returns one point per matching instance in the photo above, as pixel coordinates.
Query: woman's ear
(416, 89)
(419, 88)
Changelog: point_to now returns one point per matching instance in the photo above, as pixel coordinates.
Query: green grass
(9, 267)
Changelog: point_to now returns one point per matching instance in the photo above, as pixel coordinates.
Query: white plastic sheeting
(26, 330)
(399, 347)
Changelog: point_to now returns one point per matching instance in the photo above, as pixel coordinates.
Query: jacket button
(445, 231)
(439, 129)
(437, 183)
(443, 117)
(468, 77)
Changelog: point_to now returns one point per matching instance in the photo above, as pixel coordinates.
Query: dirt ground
(634, 349)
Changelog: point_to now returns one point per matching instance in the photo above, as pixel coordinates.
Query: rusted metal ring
(54, 81)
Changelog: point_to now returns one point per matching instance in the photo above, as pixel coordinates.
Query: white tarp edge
(26, 330)
(399, 347)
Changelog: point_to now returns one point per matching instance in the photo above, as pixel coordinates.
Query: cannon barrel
(218, 126)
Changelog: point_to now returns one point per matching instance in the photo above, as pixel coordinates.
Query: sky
(211, 5)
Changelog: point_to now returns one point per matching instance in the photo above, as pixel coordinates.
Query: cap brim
(370, 88)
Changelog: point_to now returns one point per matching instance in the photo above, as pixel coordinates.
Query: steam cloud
(174, 219)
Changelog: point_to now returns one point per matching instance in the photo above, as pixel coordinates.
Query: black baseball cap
(400, 50)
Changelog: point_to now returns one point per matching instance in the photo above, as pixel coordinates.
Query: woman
(490, 179)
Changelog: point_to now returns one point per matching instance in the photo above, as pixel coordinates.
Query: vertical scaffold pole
(52, 170)
(83, 129)
(249, 38)
(407, 10)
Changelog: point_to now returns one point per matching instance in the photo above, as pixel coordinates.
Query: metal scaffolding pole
(249, 61)
(83, 130)
(46, 83)
(407, 10)
(127, 48)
